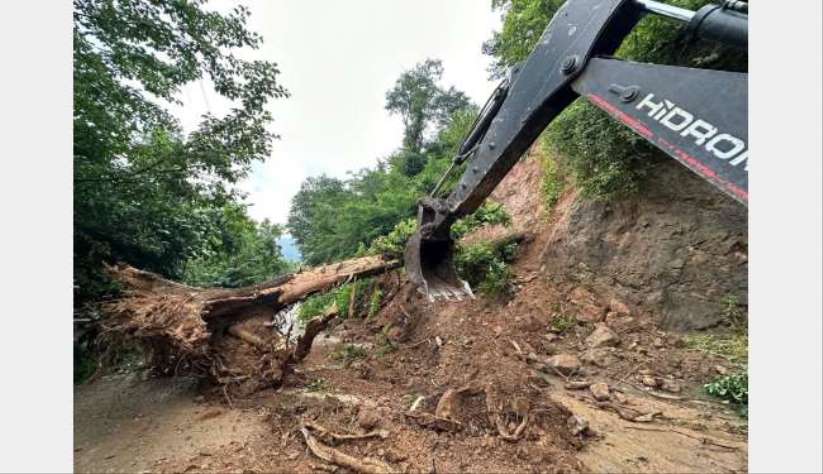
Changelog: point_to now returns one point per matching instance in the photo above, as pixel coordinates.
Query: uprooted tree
(229, 335)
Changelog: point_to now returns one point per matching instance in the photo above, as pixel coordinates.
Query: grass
(349, 353)
(563, 322)
(374, 302)
(734, 347)
(553, 180)
(318, 385)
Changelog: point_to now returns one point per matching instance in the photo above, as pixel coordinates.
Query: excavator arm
(697, 116)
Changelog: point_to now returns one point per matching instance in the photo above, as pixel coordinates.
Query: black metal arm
(697, 116)
(541, 87)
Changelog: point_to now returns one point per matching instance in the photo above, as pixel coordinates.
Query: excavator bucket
(430, 265)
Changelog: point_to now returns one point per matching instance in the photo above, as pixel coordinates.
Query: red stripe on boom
(691, 162)
(622, 116)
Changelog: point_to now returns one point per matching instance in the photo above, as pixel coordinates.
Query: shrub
(486, 267)
(733, 388)
(490, 213)
(315, 305)
(552, 180)
(393, 244)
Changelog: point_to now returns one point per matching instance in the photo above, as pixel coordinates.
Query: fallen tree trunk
(185, 326)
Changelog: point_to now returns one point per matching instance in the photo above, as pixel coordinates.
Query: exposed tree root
(339, 458)
(186, 328)
(434, 422)
(330, 437)
(494, 407)
(448, 412)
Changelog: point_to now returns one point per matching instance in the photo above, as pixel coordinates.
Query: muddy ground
(557, 377)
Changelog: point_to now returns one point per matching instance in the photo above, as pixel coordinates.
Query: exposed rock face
(678, 250)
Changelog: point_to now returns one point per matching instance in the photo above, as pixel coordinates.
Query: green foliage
(734, 347)
(523, 23)
(242, 252)
(315, 305)
(605, 159)
(144, 193)
(341, 296)
(486, 267)
(375, 301)
(733, 388)
(393, 243)
(490, 213)
(421, 102)
(552, 179)
(563, 322)
(733, 314)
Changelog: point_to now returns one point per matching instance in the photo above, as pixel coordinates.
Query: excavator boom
(697, 116)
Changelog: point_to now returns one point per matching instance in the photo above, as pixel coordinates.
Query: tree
(332, 219)
(143, 191)
(421, 102)
(240, 252)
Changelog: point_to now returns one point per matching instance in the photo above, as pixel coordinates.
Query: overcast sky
(338, 59)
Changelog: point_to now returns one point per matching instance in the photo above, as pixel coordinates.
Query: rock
(601, 357)
(620, 397)
(613, 317)
(600, 391)
(367, 419)
(539, 379)
(649, 381)
(566, 364)
(589, 308)
(602, 336)
(590, 314)
(577, 385)
(670, 386)
(618, 306)
(550, 337)
(658, 342)
(581, 296)
(577, 425)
